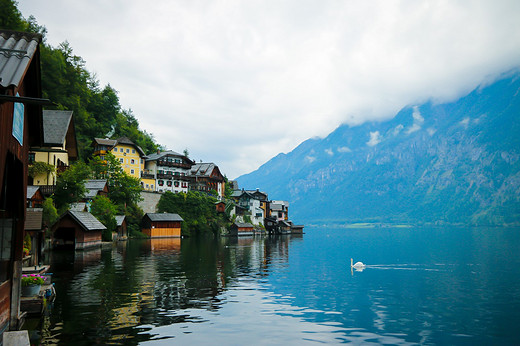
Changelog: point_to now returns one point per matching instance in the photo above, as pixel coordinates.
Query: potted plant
(31, 284)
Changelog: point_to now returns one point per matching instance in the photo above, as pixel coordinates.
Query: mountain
(452, 163)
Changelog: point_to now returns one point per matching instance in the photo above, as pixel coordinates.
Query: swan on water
(357, 265)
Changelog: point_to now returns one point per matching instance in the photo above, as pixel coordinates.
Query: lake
(421, 286)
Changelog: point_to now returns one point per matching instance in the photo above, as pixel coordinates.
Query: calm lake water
(421, 286)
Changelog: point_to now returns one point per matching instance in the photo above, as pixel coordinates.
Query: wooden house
(161, 225)
(78, 230)
(241, 229)
(121, 230)
(220, 206)
(20, 128)
(34, 197)
(206, 177)
(59, 146)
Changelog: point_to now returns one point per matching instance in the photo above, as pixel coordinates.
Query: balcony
(173, 164)
(147, 175)
(167, 175)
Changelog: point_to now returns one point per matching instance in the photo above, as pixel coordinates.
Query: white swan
(358, 265)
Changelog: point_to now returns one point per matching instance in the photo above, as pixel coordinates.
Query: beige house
(129, 154)
(59, 145)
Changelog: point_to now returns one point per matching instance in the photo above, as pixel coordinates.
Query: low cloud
(375, 139)
(344, 150)
(418, 121)
(195, 73)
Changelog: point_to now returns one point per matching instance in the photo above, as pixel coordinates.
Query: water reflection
(420, 286)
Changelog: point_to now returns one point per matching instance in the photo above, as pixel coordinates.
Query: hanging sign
(18, 121)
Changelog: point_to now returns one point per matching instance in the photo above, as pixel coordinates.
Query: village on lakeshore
(51, 199)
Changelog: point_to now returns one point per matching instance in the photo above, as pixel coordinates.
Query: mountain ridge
(433, 163)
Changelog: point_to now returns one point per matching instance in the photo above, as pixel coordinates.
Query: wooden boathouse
(162, 225)
(241, 229)
(78, 230)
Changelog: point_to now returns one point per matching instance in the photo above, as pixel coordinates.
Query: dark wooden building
(162, 225)
(121, 230)
(20, 128)
(78, 230)
(241, 229)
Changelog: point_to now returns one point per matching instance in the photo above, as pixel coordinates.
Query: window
(132, 161)
(142, 161)
(121, 150)
(160, 182)
(151, 186)
(176, 184)
(169, 183)
(133, 151)
(128, 150)
(132, 171)
(31, 158)
(122, 160)
(147, 186)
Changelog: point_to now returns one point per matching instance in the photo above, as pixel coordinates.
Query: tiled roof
(87, 220)
(157, 156)
(164, 217)
(105, 141)
(55, 126)
(202, 169)
(16, 52)
(243, 225)
(120, 219)
(93, 186)
(31, 190)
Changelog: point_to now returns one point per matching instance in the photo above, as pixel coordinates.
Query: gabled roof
(164, 217)
(31, 190)
(93, 186)
(120, 219)
(105, 141)
(157, 156)
(86, 220)
(16, 52)
(243, 225)
(55, 126)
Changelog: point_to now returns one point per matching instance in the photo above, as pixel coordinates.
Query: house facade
(166, 171)
(20, 129)
(59, 147)
(206, 177)
(129, 154)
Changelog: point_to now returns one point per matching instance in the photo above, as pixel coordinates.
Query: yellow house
(59, 148)
(127, 152)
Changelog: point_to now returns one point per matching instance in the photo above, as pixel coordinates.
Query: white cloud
(465, 122)
(418, 120)
(431, 131)
(260, 77)
(329, 152)
(344, 150)
(375, 139)
(310, 159)
(397, 129)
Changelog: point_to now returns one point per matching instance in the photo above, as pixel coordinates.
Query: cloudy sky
(237, 82)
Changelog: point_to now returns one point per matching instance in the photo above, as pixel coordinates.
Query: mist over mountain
(452, 163)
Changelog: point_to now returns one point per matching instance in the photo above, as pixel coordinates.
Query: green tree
(50, 213)
(10, 17)
(70, 185)
(105, 211)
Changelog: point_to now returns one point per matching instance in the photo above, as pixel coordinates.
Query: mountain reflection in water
(420, 286)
